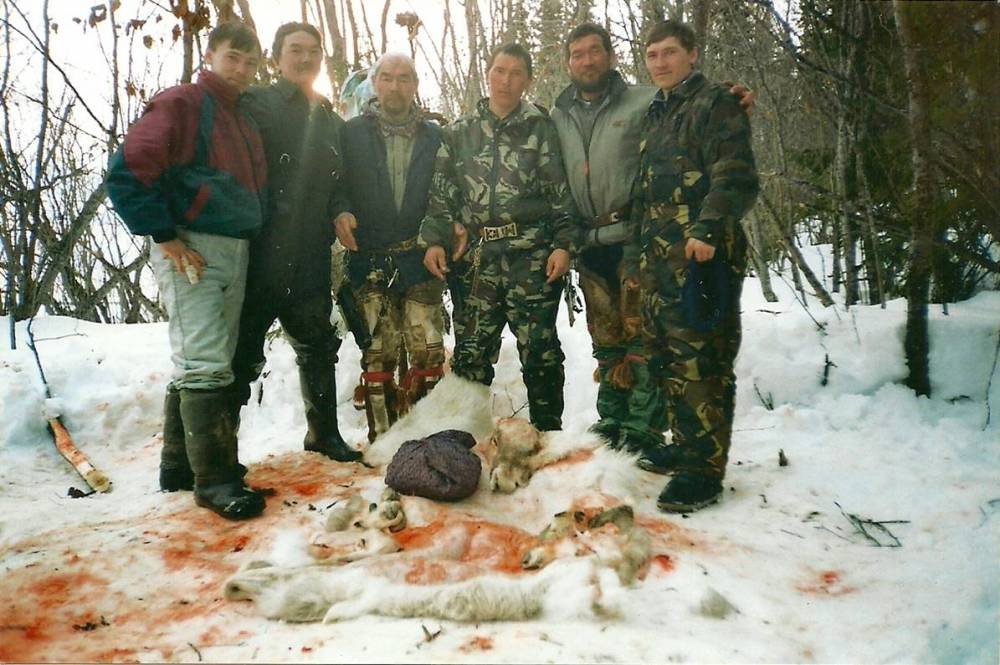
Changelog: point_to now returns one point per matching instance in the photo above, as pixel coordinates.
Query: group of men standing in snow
(244, 189)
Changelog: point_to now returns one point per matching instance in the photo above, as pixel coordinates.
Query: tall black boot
(175, 470)
(317, 380)
(545, 396)
(210, 440)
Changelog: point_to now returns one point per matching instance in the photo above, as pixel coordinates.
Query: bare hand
(182, 257)
(698, 250)
(746, 96)
(557, 265)
(459, 240)
(631, 283)
(435, 261)
(344, 227)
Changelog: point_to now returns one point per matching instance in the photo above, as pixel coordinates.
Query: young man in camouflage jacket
(500, 176)
(687, 250)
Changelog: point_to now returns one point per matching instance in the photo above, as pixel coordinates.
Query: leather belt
(614, 217)
(491, 233)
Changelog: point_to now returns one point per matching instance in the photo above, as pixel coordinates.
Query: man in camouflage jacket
(500, 177)
(688, 252)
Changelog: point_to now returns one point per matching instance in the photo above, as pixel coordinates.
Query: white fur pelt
(455, 403)
(567, 589)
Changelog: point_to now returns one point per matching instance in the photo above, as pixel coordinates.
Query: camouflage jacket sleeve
(727, 156)
(444, 201)
(566, 224)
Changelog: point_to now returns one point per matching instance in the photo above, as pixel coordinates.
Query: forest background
(875, 129)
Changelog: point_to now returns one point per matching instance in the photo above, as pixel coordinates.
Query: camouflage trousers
(509, 289)
(630, 402)
(407, 329)
(694, 368)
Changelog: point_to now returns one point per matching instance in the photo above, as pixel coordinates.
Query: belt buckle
(614, 217)
(491, 233)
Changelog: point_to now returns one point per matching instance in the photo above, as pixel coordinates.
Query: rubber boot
(210, 439)
(545, 397)
(317, 381)
(175, 470)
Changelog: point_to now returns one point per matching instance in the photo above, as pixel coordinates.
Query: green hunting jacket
(697, 175)
(491, 172)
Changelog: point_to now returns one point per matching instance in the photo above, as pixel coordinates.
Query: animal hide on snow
(461, 561)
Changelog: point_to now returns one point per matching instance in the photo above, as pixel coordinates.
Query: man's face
(589, 64)
(234, 66)
(508, 79)
(669, 63)
(301, 55)
(395, 86)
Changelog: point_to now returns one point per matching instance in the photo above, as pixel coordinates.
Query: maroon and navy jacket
(193, 160)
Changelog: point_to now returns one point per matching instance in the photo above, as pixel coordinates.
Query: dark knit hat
(440, 467)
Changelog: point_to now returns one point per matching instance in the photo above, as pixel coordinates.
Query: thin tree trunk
(752, 224)
(336, 63)
(917, 343)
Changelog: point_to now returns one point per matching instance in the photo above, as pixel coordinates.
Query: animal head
(513, 454)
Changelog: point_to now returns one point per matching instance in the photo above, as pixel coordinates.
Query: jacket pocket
(197, 204)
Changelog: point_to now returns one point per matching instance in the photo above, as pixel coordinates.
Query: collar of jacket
(523, 111)
(692, 84)
(616, 86)
(217, 86)
(372, 109)
(289, 90)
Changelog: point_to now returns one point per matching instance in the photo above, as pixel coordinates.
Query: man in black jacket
(389, 160)
(289, 274)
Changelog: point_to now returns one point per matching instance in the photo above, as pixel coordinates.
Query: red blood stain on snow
(128, 588)
(477, 643)
(663, 562)
(493, 547)
(825, 583)
(577, 457)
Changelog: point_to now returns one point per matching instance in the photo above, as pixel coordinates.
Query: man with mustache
(389, 157)
(687, 250)
(289, 273)
(598, 117)
(500, 175)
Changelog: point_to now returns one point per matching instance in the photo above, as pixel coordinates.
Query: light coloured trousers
(204, 317)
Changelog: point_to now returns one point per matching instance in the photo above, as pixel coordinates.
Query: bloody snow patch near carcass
(138, 589)
(487, 558)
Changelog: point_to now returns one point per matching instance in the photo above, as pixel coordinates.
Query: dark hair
(513, 50)
(288, 28)
(585, 30)
(239, 35)
(682, 32)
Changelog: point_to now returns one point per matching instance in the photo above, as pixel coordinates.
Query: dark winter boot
(545, 397)
(661, 459)
(689, 491)
(609, 430)
(317, 381)
(210, 439)
(175, 470)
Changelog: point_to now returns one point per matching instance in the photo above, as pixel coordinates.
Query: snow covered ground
(137, 575)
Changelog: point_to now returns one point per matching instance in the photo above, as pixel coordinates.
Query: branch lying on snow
(863, 524)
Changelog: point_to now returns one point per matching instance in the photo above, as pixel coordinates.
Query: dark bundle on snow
(440, 467)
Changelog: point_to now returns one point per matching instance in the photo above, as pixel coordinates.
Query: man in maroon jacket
(190, 174)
